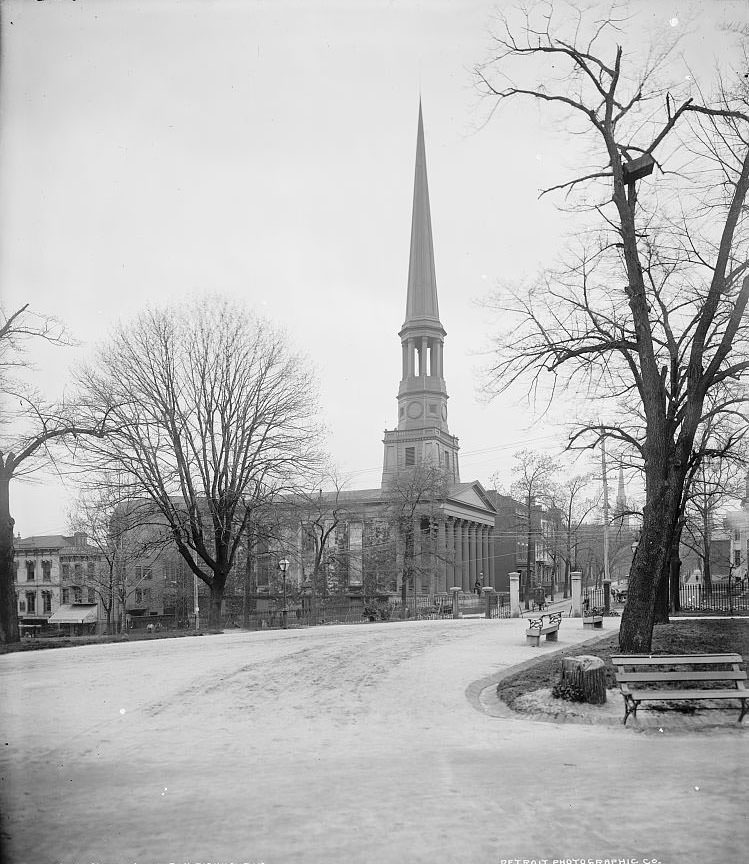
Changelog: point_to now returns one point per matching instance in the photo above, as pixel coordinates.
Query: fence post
(488, 591)
(514, 595)
(607, 594)
(577, 604)
(456, 610)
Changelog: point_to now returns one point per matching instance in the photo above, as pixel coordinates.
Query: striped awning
(75, 613)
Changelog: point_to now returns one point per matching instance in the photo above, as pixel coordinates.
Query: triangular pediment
(471, 494)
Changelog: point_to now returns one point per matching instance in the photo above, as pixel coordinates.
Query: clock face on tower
(414, 410)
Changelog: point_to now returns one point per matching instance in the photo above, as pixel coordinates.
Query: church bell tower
(422, 434)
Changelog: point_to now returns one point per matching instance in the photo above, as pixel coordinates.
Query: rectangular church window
(410, 456)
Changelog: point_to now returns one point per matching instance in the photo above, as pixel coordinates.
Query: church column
(492, 559)
(424, 356)
(450, 548)
(465, 573)
(400, 548)
(442, 556)
(404, 346)
(437, 354)
(418, 562)
(411, 357)
(473, 556)
(458, 545)
(485, 553)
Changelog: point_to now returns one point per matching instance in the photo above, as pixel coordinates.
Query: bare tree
(651, 314)
(567, 499)
(413, 509)
(30, 426)
(123, 536)
(318, 512)
(215, 418)
(531, 487)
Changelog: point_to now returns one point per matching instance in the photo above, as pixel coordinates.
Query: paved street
(364, 743)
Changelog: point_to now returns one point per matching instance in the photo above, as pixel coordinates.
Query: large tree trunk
(660, 611)
(650, 566)
(217, 595)
(9, 630)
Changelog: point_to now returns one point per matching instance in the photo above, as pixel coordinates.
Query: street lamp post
(283, 566)
(196, 604)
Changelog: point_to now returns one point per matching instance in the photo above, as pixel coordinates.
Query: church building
(452, 536)
(422, 524)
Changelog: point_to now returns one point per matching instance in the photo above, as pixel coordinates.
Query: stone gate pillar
(577, 595)
(456, 608)
(514, 595)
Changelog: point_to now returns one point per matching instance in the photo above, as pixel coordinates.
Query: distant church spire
(422, 434)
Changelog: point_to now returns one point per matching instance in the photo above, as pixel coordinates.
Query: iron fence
(418, 607)
(594, 598)
(719, 598)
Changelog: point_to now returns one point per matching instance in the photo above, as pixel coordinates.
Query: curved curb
(482, 696)
(476, 688)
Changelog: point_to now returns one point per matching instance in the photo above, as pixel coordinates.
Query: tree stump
(588, 674)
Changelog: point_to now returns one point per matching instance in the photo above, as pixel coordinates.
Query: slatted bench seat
(593, 622)
(545, 625)
(679, 669)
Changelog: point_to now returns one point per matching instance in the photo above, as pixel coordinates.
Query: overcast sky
(156, 149)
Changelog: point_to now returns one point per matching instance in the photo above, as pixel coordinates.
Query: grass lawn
(678, 637)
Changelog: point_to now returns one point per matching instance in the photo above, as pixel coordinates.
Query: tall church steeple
(422, 433)
(421, 299)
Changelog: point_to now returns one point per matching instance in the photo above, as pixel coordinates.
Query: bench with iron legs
(679, 669)
(545, 625)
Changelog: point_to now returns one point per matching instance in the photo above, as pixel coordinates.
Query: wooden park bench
(681, 680)
(537, 628)
(593, 622)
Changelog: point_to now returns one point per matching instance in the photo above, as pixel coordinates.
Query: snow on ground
(360, 743)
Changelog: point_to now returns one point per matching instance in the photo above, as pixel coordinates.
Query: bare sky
(155, 149)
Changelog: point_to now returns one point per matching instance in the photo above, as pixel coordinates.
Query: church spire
(421, 301)
(422, 433)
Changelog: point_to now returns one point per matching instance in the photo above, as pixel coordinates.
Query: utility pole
(247, 580)
(605, 511)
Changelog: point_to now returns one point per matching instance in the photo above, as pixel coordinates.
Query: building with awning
(53, 572)
(75, 613)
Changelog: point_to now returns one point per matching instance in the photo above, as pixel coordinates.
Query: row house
(56, 579)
